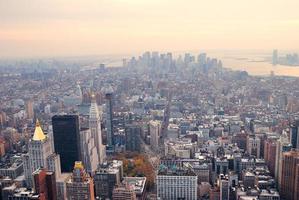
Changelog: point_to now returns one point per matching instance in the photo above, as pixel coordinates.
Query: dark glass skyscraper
(66, 140)
(294, 134)
(109, 118)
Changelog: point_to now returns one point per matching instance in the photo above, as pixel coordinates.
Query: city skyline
(156, 127)
(149, 99)
(68, 28)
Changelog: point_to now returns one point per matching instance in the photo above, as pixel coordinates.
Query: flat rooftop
(137, 183)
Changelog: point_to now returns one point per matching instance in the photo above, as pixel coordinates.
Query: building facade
(254, 146)
(133, 137)
(80, 185)
(177, 185)
(123, 192)
(40, 154)
(109, 118)
(45, 184)
(107, 177)
(88, 150)
(290, 176)
(95, 129)
(66, 135)
(155, 133)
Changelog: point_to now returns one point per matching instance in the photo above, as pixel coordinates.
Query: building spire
(38, 133)
(93, 97)
(93, 110)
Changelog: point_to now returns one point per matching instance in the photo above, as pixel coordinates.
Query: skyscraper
(45, 184)
(66, 140)
(95, 128)
(201, 59)
(80, 184)
(270, 153)
(109, 118)
(89, 151)
(283, 145)
(40, 154)
(155, 133)
(133, 137)
(107, 177)
(290, 176)
(294, 135)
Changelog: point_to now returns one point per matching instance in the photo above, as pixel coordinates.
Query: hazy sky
(84, 27)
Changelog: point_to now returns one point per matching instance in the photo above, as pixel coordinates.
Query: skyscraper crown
(38, 133)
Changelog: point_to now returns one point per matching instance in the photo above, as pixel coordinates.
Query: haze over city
(72, 28)
(149, 100)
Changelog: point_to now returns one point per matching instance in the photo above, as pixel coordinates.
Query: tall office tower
(95, 128)
(45, 184)
(283, 145)
(224, 187)
(107, 177)
(40, 154)
(66, 140)
(202, 59)
(124, 192)
(109, 118)
(290, 176)
(155, 133)
(155, 61)
(89, 151)
(51, 137)
(80, 185)
(133, 137)
(275, 57)
(254, 146)
(176, 184)
(29, 109)
(79, 94)
(262, 137)
(146, 59)
(270, 153)
(294, 135)
(187, 58)
(169, 61)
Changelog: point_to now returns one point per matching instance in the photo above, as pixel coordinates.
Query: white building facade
(95, 129)
(176, 187)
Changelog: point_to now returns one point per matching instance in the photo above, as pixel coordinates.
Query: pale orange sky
(85, 27)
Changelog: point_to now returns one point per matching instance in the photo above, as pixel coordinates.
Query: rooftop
(176, 171)
(137, 183)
